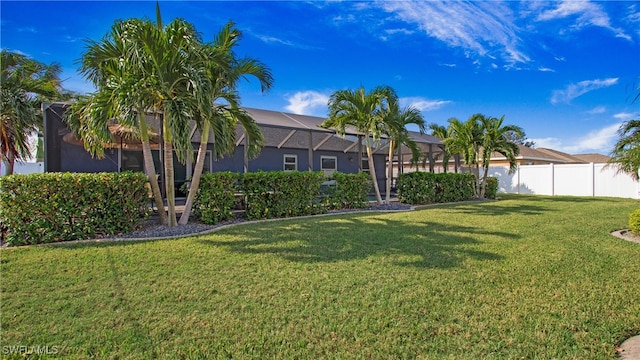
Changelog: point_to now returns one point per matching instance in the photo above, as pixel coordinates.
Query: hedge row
(50, 207)
(424, 188)
(275, 194)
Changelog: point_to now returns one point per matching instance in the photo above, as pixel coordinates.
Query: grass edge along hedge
(52, 207)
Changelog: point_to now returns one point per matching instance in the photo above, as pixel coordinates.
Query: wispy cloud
(574, 90)
(598, 141)
(545, 69)
(423, 104)
(597, 110)
(586, 13)
(449, 65)
(274, 40)
(29, 29)
(479, 27)
(308, 103)
(624, 116)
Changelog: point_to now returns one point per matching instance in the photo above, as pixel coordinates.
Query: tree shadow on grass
(357, 236)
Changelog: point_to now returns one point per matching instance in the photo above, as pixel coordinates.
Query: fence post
(553, 180)
(593, 179)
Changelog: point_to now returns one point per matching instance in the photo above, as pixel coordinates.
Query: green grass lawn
(523, 277)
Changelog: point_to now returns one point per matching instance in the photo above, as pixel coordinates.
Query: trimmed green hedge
(634, 221)
(491, 190)
(277, 194)
(280, 194)
(51, 207)
(424, 188)
(216, 198)
(348, 192)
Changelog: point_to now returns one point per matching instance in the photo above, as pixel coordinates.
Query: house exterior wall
(62, 156)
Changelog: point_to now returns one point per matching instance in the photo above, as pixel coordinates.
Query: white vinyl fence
(566, 179)
(23, 168)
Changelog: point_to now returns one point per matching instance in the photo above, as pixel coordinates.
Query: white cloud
(597, 110)
(423, 104)
(545, 69)
(597, 141)
(624, 116)
(574, 90)
(308, 103)
(449, 65)
(274, 40)
(479, 27)
(586, 13)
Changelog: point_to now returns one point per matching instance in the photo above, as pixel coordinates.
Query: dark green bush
(634, 222)
(349, 191)
(216, 197)
(424, 188)
(281, 193)
(43, 208)
(491, 189)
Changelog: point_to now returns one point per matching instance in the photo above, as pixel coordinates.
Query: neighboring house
(544, 156)
(292, 142)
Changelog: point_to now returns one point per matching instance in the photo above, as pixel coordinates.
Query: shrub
(349, 191)
(43, 208)
(634, 221)
(424, 188)
(281, 193)
(216, 197)
(491, 189)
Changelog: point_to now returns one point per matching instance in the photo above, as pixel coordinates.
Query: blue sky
(564, 71)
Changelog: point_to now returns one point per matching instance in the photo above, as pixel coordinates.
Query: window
(207, 162)
(328, 164)
(290, 162)
(364, 165)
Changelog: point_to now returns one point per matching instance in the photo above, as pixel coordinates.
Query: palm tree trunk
(372, 171)
(150, 169)
(168, 172)
(483, 188)
(197, 174)
(11, 160)
(389, 173)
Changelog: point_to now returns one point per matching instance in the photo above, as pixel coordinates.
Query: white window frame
(328, 172)
(285, 163)
(191, 163)
(364, 164)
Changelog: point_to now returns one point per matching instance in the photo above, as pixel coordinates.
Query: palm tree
(395, 121)
(496, 138)
(224, 71)
(626, 152)
(160, 69)
(114, 66)
(442, 133)
(465, 138)
(477, 138)
(25, 83)
(363, 111)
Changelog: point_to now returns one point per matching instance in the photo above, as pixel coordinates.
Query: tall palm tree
(395, 120)
(496, 138)
(363, 111)
(442, 132)
(466, 138)
(626, 152)
(164, 72)
(25, 83)
(114, 65)
(225, 70)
